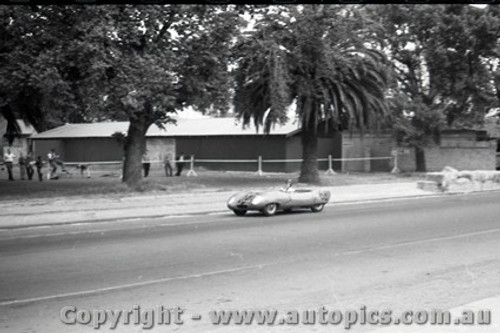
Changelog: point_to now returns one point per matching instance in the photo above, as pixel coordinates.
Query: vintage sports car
(269, 202)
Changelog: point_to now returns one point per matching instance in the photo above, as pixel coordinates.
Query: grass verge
(105, 184)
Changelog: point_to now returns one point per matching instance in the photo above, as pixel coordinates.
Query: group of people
(27, 165)
(167, 162)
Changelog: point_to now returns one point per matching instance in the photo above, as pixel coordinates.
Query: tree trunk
(309, 169)
(135, 147)
(420, 159)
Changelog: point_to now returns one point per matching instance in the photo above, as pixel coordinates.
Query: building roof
(185, 127)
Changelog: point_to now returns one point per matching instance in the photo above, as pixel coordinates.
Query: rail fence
(260, 161)
(86, 166)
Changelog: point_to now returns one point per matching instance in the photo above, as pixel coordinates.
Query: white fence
(259, 162)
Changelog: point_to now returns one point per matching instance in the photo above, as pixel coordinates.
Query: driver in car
(288, 187)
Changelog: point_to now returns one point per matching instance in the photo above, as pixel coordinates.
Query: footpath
(55, 211)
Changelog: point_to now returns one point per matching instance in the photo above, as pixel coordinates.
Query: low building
(204, 138)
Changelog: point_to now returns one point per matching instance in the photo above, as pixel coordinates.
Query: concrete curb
(18, 227)
(156, 216)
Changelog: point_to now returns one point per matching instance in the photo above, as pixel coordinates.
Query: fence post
(330, 170)
(259, 166)
(367, 162)
(395, 169)
(191, 171)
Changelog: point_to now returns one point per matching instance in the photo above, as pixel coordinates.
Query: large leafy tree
(443, 57)
(136, 63)
(318, 57)
(160, 59)
(43, 62)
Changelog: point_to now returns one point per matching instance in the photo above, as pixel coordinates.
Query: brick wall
(479, 156)
(460, 150)
(461, 155)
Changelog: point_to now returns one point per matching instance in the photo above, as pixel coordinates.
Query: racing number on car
(323, 196)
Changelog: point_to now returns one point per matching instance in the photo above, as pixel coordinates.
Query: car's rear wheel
(240, 212)
(317, 208)
(270, 209)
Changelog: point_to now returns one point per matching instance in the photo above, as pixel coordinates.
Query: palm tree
(317, 57)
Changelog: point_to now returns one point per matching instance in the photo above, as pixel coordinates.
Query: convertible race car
(269, 202)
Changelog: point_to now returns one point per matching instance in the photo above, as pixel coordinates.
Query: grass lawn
(109, 183)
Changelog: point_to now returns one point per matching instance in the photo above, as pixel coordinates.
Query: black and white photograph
(229, 166)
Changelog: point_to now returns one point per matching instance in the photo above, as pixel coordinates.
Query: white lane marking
(38, 227)
(400, 198)
(63, 234)
(134, 285)
(418, 242)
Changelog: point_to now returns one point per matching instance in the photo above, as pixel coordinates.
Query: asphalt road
(405, 254)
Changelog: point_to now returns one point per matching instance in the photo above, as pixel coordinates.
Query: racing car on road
(286, 199)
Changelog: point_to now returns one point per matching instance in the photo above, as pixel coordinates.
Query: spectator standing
(39, 166)
(8, 160)
(180, 164)
(22, 166)
(146, 164)
(52, 156)
(29, 166)
(169, 172)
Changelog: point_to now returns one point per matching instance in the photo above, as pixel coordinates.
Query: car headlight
(232, 200)
(257, 200)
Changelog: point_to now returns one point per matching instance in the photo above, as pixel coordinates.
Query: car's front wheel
(317, 208)
(270, 209)
(240, 212)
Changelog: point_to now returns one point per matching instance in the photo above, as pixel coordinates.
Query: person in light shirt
(54, 161)
(8, 160)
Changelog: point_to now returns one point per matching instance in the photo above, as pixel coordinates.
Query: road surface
(400, 255)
